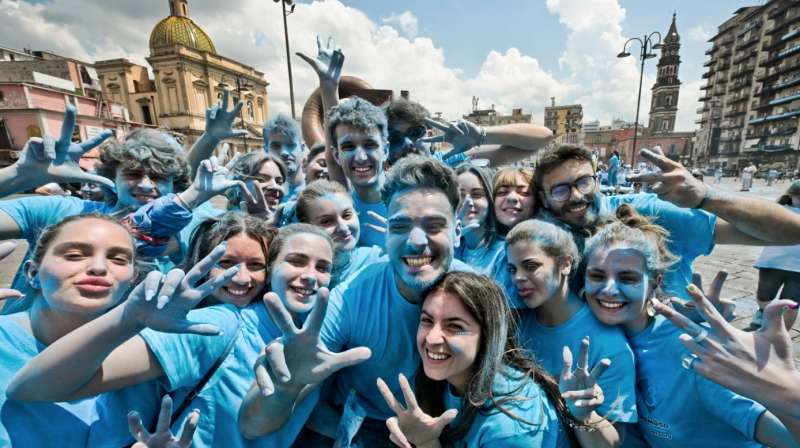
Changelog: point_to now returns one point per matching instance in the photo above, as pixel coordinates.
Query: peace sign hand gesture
(177, 295)
(328, 64)
(45, 160)
(412, 425)
(467, 227)
(299, 357)
(726, 307)
(163, 437)
(6, 249)
(674, 183)
(579, 388)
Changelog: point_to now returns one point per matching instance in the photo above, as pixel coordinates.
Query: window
(665, 125)
(669, 100)
(250, 111)
(2, 96)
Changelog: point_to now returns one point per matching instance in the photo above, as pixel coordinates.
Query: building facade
(562, 120)
(751, 103)
(189, 76)
(490, 117)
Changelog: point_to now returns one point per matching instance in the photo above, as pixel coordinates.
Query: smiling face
(577, 209)
(470, 186)
(317, 168)
(335, 214)
(420, 235)
(271, 182)
(87, 268)
(538, 277)
(618, 285)
(302, 266)
(136, 187)
(361, 154)
(448, 339)
(514, 203)
(287, 149)
(245, 252)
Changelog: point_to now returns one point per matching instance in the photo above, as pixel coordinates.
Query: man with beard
(375, 314)
(696, 215)
(282, 139)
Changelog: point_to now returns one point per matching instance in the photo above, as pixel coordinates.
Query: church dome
(181, 30)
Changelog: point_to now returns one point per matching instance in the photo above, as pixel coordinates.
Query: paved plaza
(737, 260)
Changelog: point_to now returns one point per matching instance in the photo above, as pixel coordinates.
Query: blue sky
(514, 53)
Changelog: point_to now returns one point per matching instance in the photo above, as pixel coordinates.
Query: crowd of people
(370, 291)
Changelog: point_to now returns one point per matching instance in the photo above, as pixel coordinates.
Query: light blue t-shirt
(370, 236)
(33, 214)
(186, 358)
(483, 259)
(99, 421)
(536, 425)
(678, 407)
(360, 257)
(619, 380)
(368, 310)
(691, 234)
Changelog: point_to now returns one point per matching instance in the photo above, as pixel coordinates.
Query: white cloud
(407, 22)
(700, 33)
(388, 54)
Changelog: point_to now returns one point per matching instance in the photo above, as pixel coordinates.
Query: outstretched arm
(328, 67)
(743, 219)
(106, 353)
(500, 145)
(45, 160)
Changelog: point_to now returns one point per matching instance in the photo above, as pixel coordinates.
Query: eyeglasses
(584, 184)
(417, 132)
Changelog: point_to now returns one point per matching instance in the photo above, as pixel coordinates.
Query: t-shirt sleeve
(742, 413)
(185, 358)
(691, 230)
(335, 327)
(33, 214)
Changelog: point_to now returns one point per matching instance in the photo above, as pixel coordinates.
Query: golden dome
(180, 30)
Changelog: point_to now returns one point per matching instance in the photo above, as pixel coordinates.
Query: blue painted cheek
(633, 292)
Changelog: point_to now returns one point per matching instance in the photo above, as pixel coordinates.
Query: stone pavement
(737, 260)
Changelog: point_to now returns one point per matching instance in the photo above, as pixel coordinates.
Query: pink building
(32, 110)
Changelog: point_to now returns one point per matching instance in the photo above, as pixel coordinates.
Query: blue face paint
(287, 149)
(136, 189)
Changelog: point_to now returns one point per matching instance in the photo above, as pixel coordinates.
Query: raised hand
(467, 227)
(45, 160)
(579, 388)
(328, 64)
(758, 364)
(298, 356)
(411, 424)
(219, 119)
(462, 134)
(726, 307)
(211, 179)
(163, 437)
(674, 183)
(177, 294)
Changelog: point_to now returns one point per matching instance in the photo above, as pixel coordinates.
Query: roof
(177, 30)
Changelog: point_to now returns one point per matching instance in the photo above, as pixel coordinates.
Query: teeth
(362, 169)
(237, 292)
(303, 291)
(612, 305)
(577, 208)
(418, 261)
(437, 356)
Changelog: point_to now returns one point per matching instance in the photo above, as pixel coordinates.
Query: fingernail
(793, 306)
(692, 288)
(162, 301)
(148, 295)
(285, 378)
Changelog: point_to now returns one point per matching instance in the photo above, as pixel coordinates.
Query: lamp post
(647, 44)
(291, 5)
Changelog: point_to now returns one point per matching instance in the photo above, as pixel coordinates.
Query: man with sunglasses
(696, 215)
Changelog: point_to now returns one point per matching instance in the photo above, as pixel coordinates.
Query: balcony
(790, 81)
(745, 56)
(784, 99)
(705, 97)
(708, 63)
(738, 99)
(734, 113)
(706, 75)
(731, 138)
(744, 44)
(768, 118)
(758, 133)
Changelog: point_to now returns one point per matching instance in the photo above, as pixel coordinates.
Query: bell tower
(664, 103)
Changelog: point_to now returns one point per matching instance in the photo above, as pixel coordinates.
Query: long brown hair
(498, 351)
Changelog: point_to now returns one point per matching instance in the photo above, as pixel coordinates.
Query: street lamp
(291, 5)
(242, 89)
(647, 44)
